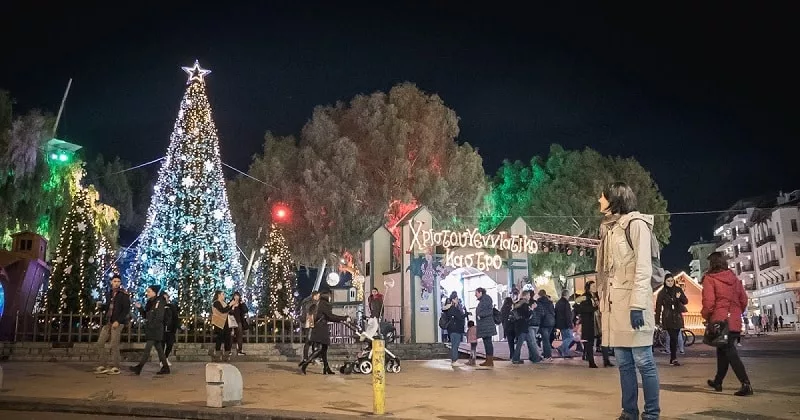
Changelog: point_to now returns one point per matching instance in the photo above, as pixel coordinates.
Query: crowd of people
(615, 312)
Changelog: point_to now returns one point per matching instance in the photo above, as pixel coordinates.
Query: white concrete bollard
(223, 385)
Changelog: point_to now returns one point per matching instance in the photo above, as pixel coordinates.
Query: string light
(189, 214)
(75, 268)
(274, 283)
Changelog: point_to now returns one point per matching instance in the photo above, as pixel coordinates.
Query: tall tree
(188, 245)
(368, 162)
(559, 195)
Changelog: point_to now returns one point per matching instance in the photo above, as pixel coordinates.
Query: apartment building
(700, 251)
(736, 242)
(776, 240)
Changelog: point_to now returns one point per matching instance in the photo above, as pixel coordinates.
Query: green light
(54, 156)
(62, 157)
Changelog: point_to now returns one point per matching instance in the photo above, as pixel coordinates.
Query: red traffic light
(280, 213)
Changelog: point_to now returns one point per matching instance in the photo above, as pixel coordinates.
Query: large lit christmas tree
(188, 245)
(75, 270)
(275, 278)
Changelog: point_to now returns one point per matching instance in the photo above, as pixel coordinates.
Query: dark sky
(704, 97)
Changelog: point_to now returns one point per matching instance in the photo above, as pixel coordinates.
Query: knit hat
(155, 288)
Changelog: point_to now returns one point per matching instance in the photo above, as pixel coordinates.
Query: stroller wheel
(341, 368)
(354, 367)
(348, 368)
(395, 368)
(365, 367)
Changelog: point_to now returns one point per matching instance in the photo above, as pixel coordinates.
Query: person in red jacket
(724, 298)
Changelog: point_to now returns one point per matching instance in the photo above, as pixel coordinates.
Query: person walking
(724, 299)
(564, 324)
(220, 311)
(545, 311)
(321, 334)
(508, 324)
(153, 313)
(588, 309)
(116, 312)
(486, 328)
(172, 323)
(239, 313)
(523, 331)
(630, 298)
(669, 302)
(308, 310)
(455, 314)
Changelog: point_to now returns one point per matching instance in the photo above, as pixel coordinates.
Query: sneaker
(112, 371)
(682, 352)
(241, 353)
(738, 344)
(100, 370)
(744, 391)
(674, 363)
(453, 364)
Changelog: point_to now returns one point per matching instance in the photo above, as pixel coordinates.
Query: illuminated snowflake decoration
(187, 182)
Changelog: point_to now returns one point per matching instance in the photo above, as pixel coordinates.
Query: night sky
(704, 97)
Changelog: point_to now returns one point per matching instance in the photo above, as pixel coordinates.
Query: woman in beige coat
(627, 299)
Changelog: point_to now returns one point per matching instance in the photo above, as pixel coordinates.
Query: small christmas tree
(275, 278)
(76, 266)
(188, 244)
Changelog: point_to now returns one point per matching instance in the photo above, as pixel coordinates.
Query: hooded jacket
(669, 308)
(629, 281)
(724, 298)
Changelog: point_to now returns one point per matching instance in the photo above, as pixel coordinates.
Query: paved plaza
(563, 389)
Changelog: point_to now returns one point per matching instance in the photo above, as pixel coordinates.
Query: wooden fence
(76, 328)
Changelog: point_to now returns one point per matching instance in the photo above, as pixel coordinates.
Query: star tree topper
(196, 72)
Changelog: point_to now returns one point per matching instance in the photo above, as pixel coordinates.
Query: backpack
(657, 279)
(444, 321)
(498, 319)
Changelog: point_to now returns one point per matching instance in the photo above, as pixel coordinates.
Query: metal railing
(768, 264)
(766, 239)
(77, 328)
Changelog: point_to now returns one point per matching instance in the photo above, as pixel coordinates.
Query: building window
(794, 225)
(797, 250)
(792, 302)
(781, 247)
(778, 228)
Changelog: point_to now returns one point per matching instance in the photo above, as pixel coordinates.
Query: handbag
(232, 322)
(716, 333)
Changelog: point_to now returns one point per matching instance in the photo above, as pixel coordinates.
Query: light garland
(76, 247)
(275, 278)
(189, 213)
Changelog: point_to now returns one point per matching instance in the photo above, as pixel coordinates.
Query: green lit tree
(75, 270)
(188, 245)
(559, 195)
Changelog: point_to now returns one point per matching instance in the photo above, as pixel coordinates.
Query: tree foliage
(559, 195)
(364, 163)
(125, 190)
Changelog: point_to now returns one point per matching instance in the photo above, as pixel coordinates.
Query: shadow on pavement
(705, 390)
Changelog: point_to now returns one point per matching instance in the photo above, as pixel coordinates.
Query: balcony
(765, 240)
(747, 268)
(768, 264)
(750, 287)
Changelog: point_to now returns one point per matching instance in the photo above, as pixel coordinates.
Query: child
(472, 339)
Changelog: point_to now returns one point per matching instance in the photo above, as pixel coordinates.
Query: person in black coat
(116, 310)
(172, 323)
(669, 314)
(321, 334)
(153, 312)
(455, 314)
(240, 315)
(546, 313)
(588, 305)
(564, 324)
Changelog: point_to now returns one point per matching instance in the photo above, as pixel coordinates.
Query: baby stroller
(363, 363)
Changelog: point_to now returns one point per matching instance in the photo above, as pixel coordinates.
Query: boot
(136, 369)
(606, 360)
(303, 366)
(489, 362)
(713, 384)
(744, 391)
(326, 370)
(302, 362)
(216, 356)
(587, 355)
(164, 370)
